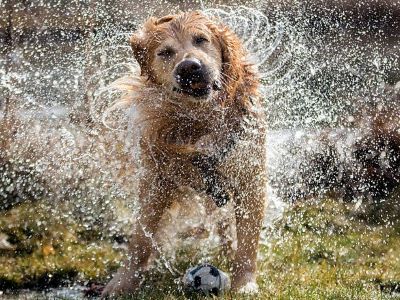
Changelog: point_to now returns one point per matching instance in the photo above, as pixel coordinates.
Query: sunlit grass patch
(323, 251)
(50, 249)
(318, 250)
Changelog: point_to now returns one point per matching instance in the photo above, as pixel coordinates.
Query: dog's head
(188, 55)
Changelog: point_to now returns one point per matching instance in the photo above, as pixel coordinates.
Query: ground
(318, 250)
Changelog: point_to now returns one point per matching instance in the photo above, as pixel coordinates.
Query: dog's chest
(189, 131)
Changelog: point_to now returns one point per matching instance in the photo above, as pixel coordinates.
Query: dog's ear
(139, 45)
(164, 19)
(232, 54)
(236, 72)
(229, 45)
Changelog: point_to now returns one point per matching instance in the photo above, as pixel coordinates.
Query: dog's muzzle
(194, 79)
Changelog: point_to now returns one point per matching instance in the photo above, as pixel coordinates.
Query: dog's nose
(189, 71)
(188, 66)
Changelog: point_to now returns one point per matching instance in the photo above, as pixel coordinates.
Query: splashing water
(60, 92)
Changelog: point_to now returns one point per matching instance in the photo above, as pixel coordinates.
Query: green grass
(319, 251)
(316, 251)
(324, 252)
(51, 251)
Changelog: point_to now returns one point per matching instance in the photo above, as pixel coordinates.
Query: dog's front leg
(249, 213)
(155, 196)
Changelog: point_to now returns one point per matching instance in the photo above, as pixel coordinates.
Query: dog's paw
(245, 283)
(123, 283)
(249, 288)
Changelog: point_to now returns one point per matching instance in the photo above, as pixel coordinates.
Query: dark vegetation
(365, 168)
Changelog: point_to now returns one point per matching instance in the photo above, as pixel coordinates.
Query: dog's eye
(168, 52)
(198, 40)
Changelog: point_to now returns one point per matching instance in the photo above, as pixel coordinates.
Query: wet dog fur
(199, 123)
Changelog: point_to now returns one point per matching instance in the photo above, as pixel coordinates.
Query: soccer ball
(206, 279)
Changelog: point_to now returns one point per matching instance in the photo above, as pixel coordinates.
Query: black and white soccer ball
(206, 279)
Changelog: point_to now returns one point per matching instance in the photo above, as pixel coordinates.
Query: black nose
(188, 66)
(189, 71)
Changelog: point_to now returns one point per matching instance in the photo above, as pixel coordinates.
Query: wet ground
(76, 292)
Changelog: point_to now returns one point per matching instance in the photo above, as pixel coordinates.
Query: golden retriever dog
(201, 126)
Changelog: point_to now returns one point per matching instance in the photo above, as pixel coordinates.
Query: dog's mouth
(194, 92)
(198, 90)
